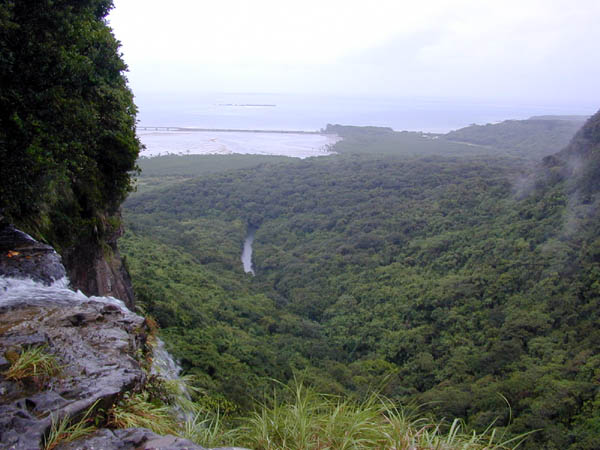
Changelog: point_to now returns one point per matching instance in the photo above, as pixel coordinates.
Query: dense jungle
(457, 276)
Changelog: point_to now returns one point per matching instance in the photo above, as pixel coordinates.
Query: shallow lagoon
(160, 143)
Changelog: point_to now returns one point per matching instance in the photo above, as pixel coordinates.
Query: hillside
(533, 138)
(582, 157)
(530, 139)
(462, 283)
(414, 290)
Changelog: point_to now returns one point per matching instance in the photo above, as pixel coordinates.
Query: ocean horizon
(242, 111)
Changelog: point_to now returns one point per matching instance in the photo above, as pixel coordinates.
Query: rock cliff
(96, 268)
(96, 342)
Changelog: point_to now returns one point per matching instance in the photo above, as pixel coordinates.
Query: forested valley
(411, 290)
(459, 276)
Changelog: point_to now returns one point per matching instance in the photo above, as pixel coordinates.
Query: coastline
(161, 141)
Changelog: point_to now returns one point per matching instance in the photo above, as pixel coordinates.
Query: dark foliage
(67, 118)
(532, 138)
(452, 281)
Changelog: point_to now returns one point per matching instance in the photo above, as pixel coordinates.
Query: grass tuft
(33, 364)
(136, 411)
(64, 430)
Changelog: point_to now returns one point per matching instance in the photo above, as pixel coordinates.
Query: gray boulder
(129, 439)
(95, 344)
(21, 256)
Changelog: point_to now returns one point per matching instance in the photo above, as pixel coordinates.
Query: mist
(531, 53)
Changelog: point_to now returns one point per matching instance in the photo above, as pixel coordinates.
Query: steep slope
(67, 134)
(581, 159)
(586, 142)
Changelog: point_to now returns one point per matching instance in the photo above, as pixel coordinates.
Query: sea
(233, 112)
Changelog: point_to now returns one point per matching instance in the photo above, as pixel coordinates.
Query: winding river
(247, 251)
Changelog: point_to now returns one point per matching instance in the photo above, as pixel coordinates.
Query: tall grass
(300, 420)
(66, 430)
(207, 429)
(313, 421)
(136, 411)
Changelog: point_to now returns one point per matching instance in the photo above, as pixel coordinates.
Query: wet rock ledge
(95, 342)
(21, 256)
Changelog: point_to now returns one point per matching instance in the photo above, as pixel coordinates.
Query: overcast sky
(505, 50)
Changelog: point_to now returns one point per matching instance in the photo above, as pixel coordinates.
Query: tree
(67, 118)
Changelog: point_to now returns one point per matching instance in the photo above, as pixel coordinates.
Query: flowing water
(14, 291)
(247, 251)
(167, 368)
(26, 292)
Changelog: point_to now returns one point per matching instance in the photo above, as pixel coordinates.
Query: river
(247, 251)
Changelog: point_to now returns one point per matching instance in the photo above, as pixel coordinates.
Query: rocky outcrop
(96, 267)
(134, 439)
(94, 343)
(24, 257)
(94, 340)
(130, 439)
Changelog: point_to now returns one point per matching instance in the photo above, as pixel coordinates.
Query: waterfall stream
(167, 368)
(247, 251)
(15, 292)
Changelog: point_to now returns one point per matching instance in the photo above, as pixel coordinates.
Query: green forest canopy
(439, 272)
(67, 119)
(445, 280)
